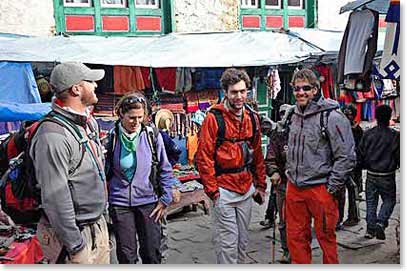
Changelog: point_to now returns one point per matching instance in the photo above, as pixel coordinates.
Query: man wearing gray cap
(68, 165)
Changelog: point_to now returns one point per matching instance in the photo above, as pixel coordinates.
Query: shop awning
(172, 50)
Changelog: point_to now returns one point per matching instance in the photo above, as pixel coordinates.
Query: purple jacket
(140, 191)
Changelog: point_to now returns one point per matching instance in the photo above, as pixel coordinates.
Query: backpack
(19, 191)
(220, 138)
(152, 134)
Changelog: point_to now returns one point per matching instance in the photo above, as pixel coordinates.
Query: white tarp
(173, 50)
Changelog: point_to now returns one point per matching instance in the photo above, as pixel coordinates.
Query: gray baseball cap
(67, 74)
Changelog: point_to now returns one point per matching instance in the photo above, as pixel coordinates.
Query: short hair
(63, 95)
(131, 101)
(233, 76)
(383, 114)
(305, 74)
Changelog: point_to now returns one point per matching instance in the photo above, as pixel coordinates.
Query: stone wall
(27, 17)
(206, 15)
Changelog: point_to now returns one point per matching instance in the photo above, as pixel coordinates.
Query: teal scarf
(129, 141)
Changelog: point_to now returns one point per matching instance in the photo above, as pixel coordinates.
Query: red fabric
(358, 117)
(302, 205)
(127, 79)
(27, 252)
(145, 72)
(166, 78)
(328, 84)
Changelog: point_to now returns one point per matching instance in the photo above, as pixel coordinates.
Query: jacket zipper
(298, 151)
(302, 152)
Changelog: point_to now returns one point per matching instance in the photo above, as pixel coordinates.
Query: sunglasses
(304, 88)
(133, 100)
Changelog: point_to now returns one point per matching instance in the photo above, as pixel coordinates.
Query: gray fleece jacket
(69, 196)
(314, 159)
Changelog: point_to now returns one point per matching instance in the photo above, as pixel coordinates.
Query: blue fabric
(17, 83)
(172, 150)
(11, 111)
(182, 143)
(208, 78)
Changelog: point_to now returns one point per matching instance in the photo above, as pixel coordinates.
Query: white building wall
(27, 17)
(206, 15)
(328, 14)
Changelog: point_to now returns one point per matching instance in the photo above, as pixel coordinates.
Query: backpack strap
(220, 137)
(111, 145)
(324, 115)
(152, 134)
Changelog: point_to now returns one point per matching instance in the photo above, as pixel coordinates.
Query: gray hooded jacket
(314, 159)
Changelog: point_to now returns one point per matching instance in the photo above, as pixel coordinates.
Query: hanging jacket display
(358, 47)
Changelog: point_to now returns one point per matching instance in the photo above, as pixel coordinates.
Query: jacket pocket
(229, 155)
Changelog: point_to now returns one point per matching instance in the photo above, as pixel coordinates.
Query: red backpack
(19, 190)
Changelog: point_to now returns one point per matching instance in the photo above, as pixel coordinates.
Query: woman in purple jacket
(136, 203)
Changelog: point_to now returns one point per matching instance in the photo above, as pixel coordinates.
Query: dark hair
(131, 101)
(383, 114)
(351, 108)
(305, 74)
(233, 76)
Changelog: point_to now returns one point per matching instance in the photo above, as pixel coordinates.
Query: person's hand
(276, 178)
(158, 211)
(259, 196)
(176, 195)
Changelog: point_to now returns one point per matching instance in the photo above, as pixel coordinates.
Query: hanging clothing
(192, 101)
(274, 81)
(166, 78)
(183, 80)
(127, 79)
(391, 62)
(145, 72)
(208, 78)
(192, 147)
(326, 80)
(359, 45)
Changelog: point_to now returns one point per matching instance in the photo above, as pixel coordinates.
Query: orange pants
(303, 204)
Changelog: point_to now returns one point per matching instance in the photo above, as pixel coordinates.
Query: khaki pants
(96, 250)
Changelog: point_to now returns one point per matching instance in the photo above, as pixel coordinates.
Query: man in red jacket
(231, 166)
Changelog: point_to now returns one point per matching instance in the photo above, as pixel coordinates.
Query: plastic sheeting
(17, 83)
(23, 112)
(172, 50)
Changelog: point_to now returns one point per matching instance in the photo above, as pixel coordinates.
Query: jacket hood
(315, 107)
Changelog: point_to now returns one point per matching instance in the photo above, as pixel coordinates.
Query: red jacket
(229, 154)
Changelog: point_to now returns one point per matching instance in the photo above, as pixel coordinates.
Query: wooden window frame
(156, 6)
(105, 5)
(89, 4)
(273, 7)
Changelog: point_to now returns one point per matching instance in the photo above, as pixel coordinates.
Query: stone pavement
(191, 233)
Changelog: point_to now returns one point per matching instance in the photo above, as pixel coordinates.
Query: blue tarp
(17, 83)
(17, 112)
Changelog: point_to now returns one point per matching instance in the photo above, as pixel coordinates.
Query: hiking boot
(369, 235)
(351, 222)
(380, 232)
(267, 223)
(285, 258)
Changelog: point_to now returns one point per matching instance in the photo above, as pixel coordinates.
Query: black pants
(131, 224)
(353, 213)
(272, 205)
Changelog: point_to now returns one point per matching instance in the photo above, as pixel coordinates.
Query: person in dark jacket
(379, 153)
(320, 158)
(275, 161)
(354, 183)
(136, 206)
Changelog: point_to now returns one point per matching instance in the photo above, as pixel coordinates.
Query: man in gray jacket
(321, 155)
(69, 168)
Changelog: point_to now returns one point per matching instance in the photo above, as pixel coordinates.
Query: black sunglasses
(134, 99)
(304, 88)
